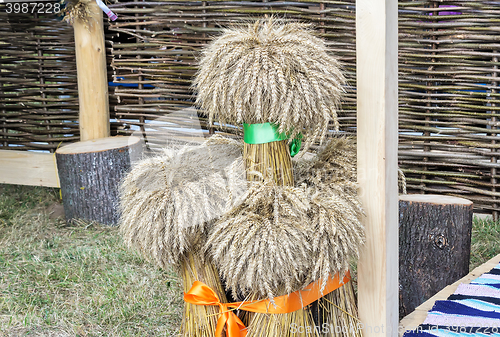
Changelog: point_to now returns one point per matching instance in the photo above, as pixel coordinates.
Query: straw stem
(272, 160)
(339, 313)
(200, 320)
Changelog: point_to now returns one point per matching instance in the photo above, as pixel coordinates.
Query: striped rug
(473, 310)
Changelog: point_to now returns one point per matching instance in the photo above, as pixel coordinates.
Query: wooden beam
(28, 168)
(377, 129)
(413, 320)
(92, 75)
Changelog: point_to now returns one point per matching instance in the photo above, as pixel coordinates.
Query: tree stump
(90, 173)
(434, 246)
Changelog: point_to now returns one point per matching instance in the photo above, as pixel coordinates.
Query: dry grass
(271, 71)
(76, 281)
(78, 10)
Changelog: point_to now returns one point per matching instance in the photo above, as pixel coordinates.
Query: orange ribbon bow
(201, 294)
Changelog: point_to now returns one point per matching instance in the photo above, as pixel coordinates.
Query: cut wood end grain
(98, 145)
(435, 199)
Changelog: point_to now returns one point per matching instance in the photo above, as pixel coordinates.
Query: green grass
(80, 280)
(485, 243)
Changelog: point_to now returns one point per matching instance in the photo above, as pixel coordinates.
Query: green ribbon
(267, 133)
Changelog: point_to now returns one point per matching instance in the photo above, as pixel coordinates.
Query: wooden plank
(92, 75)
(413, 320)
(377, 129)
(28, 168)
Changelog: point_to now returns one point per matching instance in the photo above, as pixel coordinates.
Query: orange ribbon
(201, 294)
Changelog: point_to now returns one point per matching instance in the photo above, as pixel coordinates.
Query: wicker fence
(166, 37)
(449, 100)
(448, 80)
(38, 86)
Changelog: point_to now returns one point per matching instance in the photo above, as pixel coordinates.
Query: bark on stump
(90, 173)
(434, 246)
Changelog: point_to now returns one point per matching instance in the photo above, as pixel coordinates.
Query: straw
(200, 320)
(272, 160)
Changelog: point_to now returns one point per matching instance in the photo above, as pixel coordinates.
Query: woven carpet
(473, 310)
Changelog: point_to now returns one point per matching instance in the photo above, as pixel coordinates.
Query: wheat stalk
(281, 238)
(339, 313)
(271, 160)
(200, 320)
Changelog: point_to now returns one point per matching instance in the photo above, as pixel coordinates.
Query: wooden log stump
(434, 246)
(90, 173)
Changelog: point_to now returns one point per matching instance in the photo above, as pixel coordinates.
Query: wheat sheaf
(281, 238)
(168, 201)
(271, 71)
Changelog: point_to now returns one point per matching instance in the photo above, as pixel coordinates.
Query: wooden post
(377, 129)
(92, 75)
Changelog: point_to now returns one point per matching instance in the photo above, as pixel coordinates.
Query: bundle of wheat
(167, 204)
(280, 81)
(264, 239)
(278, 233)
(271, 72)
(338, 232)
(281, 238)
(284, 237)
(261, 247)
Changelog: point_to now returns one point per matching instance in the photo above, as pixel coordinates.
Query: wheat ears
(281, 238)
(168, 201)
(265, 239)
(261, 247)
(271, 72)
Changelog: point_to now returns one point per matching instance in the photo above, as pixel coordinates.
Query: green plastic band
(262, 133)
(267, 133)
(295, 145)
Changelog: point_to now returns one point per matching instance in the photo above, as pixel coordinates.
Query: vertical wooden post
(377, 128)
(92, 75)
